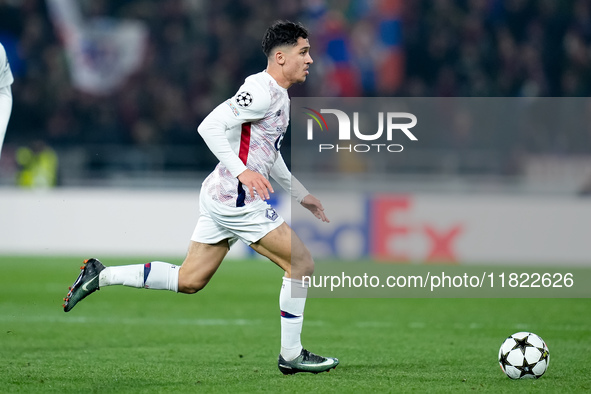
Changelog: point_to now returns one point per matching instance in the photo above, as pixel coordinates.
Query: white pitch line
(471, 326)
(127, 320)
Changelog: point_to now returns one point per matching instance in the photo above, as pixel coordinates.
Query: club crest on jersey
(244, 99)
(271, 214)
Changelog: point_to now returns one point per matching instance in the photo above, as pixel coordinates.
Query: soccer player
(245, 133)
(5, 94)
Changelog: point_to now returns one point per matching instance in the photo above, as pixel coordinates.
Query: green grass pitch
(226, 338)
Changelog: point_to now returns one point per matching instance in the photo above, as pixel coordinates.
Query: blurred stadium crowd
(199, 52)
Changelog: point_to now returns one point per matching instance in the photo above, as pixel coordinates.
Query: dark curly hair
(282, 33)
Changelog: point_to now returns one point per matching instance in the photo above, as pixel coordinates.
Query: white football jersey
(5, 73)
(254, 121)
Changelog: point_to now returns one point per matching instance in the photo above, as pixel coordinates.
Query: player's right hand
(255, 181)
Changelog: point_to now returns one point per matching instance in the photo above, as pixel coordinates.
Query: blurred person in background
(38, 166)
(492, 48)
(5, 94)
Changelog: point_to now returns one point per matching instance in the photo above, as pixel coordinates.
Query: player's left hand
(255, 181)
(314, 205)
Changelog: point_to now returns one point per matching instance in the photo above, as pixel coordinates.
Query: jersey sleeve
(287, 181)
(250, 103)
(6, 78)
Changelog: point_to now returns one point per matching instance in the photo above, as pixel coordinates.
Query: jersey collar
(274, 81)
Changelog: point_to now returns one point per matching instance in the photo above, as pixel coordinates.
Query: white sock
(292, 300)
(156, 275)
(159, 275)
(126, 275)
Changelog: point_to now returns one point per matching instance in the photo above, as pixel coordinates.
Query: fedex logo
(390, 231)
(387, 231)
(345, 127)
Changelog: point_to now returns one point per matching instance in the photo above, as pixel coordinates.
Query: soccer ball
(524, 355)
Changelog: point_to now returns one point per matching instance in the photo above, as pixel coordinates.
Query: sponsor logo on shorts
(271, 214)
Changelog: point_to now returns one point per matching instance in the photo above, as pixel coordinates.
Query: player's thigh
(286, 249)
(200, 265)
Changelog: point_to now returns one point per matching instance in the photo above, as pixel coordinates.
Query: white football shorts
(248, 223)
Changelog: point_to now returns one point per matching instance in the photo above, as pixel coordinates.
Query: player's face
(297, 62)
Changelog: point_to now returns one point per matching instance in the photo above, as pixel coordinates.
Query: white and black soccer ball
(244, 99)
(524, 355)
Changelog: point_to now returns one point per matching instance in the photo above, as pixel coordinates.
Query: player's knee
(308, 268)
(191, 288)
(302, 264)
(190, 283)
